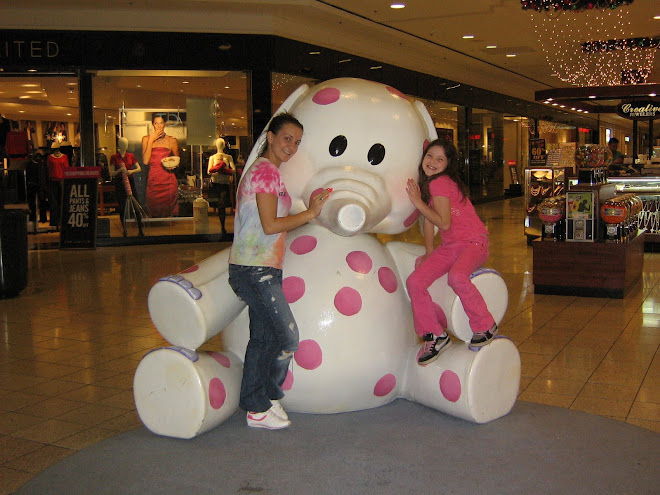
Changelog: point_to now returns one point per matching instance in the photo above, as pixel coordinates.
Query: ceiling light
(376, 67)
(510, 55)
(491, 46)
(652, 95)
(468, 36)
(29, 85)
(656, 17)
(315, 53)
(592, 96)
(32, 70)
(24, 97)
(345, 60)
(398, 5)
(185, 82)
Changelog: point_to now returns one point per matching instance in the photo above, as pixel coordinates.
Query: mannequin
(222, 170)
(123, 165)
(57, 162)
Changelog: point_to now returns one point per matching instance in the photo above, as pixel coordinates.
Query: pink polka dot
(348, 301)
(359, 261)
(440, 315)
(396, 92)
(326, 96)
(303, 244)
(450, 385)
(387, 279)
(217, 393)
(288, 381)
(385, 385)
(293, 288)
(309, 355)
(193, 268)
(411, 219)
(220, 358)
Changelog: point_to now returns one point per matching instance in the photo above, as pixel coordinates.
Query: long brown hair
(452, 169)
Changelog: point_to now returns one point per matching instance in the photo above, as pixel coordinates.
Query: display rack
(541, 183)
(648, 189)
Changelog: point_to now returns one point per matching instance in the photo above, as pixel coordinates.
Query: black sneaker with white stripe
(432, 347)
(481, 339)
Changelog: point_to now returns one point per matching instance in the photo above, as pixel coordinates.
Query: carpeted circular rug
(400, 448)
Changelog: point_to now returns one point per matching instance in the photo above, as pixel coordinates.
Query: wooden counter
(597, 269)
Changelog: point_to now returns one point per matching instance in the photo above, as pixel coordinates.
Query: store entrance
(38, 134)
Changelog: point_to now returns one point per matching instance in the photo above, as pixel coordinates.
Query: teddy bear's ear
(284, 107)
(428, 121)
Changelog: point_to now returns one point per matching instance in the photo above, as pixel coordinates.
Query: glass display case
(648, 189)
(541, 183)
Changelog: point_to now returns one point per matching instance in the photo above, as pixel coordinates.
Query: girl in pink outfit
(442, 198)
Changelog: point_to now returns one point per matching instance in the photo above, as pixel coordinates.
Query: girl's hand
(414, 193)
(316, 201)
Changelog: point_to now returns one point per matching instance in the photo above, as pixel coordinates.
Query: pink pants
(459, 259)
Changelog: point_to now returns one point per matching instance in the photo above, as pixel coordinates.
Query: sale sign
(537, 152)
(79, 191)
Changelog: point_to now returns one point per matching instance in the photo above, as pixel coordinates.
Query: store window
(170, 122)
(38, 117)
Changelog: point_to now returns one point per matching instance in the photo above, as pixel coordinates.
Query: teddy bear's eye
(338, 145)
(376, 154)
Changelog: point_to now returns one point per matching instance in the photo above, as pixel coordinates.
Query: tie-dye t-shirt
(252, 246)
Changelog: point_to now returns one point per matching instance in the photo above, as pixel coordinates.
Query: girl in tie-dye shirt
(255, 273)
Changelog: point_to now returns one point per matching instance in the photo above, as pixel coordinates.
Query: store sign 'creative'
(638, 109)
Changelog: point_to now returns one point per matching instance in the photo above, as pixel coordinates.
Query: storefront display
(540, 184)
(647, 189)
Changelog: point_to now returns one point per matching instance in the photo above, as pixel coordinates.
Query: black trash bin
(13, 251)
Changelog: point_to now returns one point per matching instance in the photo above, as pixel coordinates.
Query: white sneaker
(268, 420)
(278, 409)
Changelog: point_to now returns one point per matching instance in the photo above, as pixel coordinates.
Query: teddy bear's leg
(491, 286)
(182, 393)
(193, 306)
(476, 386)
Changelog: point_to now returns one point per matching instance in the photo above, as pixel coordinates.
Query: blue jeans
(273, 334)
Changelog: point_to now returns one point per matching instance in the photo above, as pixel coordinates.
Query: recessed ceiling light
(227, 87)
(398, 5)
(510, 55)
(32, 70)
(345, 60)
(592, 96)
(491, 46)
(375, 67)
(468, 36)
(573, 108)
(185, 82)
(656, 17)
(24, 97)
(29, 85)
(315, 53)
(652, 95)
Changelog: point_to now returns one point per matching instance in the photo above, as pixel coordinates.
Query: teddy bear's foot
(183, 393)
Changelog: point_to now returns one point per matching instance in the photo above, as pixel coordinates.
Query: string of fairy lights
(584, 42)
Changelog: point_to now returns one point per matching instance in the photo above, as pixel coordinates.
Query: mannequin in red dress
(162, 187)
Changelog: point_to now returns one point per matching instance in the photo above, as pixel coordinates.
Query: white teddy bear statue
(347, 290)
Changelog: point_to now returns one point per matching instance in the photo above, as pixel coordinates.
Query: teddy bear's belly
(354, 319)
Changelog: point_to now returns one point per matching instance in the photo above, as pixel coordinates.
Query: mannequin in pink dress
(162, 188)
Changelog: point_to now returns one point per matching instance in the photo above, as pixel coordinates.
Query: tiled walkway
(69, 344)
